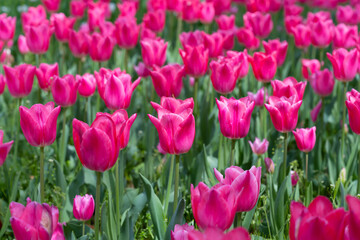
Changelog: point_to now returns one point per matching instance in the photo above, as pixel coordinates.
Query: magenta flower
(305, 138)
(259, 147)
(83, 207)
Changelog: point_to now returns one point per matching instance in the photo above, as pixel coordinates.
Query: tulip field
(180, 119)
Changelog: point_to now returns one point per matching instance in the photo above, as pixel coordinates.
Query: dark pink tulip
(101, 47)
(79, 43)
(155, 20)
(347, 14)
(35, 221)
(322, 33)
(190, 10)
(315, 111)
(77, 8)
(280, 48)
(224, 74)
(293, 10)
(195, 60)
(51, 5)
(87, 84)
(284, 112)
(261, 24)
(181, 232)
(203, 200)
(153, 52)
(213, 43)
(294, 178)
(238, 233)
(83, 207)
(305, 138)
(167, 80)
(175, 125)
(258, 5)
(34, 16)
(310, 66)
(7, 27)
(4, 148)
(96, 16)
(241, 60)
(191, 38)
(96, 146)
(258, 97)
(352, 231)
(39, 124)
(345, 64)
(20, 79)
(142, 70)
(318, 221)
(146, 33)
(225, 22)
(288, 87)
(229, 38)
(259, 147)
(173, 105)
(108, 29)
(221, 6)
(38, 37)
(2, 84)
(292, 22)
(245, 185)
(45, 73)
(318, 16)
(264, 66)
(345, 36)
(235, 116)
(206, 12)
(127, 32)
(64, 90)
(322, 82)
(353, 106)
(247, 38)
(270, 167)
(302, 36)
(127, 9)
(174, 5)
(22, 45)
(153, 5)
(63, 25)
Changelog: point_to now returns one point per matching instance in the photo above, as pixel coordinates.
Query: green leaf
(280, 211)
(176, 218)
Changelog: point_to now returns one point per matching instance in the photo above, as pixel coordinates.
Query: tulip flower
(221, 6)
(45, 73)
(291, 22)
(167, 80)
(173, 105)
(34, 16)
(319, 220)
(155, 20)
(347, 14)
(259, 147)
(19, 79)
(310, 65)
(224, 74)
(192, 39)
(181, 232)
(269, 165)
(64, 90)
(206, 12)
(146, 33)
(51, 5)
(288, 87)
(322, 82)
(127, 32)
(4, 148)
(247, 38)
(195, 60)
(35, 221)
(79, 43)
(280, 48)
(213, 43)
(315, 111)
(190, 10)
(38, 37)
(305, 138)
(264, 66)
(353, 106)
(96, 16)
(87, 84)
(108, 29)
(293, 10)
(203, 200)
(345, 36)
(302, 35)
(22, 45)
(245, 185)
(2, 84)
(261, 24)
(235, 116)
(153, 52)
(77, 8)
(100, 47)
(258, 97)
(62, 25)
(238, 233)
(345, 64)
(352, 230)
(127, 8)
(83, 207)
(7, 27)
(241, 59)
(294, 178)
(322, 33)
(225, 22)
(142, 70)
(153, 5)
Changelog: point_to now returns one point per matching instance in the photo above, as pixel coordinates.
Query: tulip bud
(264, 66)
(51, 5)
(155, 20)
(77, 8)
(153, 52)
(258, 97)
(288, 87)
(38, 37)
(225, 22)
(79, 43)
(4, 148)
(345, 36)
(83, 207)
(342, 175)
(302, 35)
(238, 233)
(190, 10)
(64, 90)
(195, 60)
(7, 27)
(247, 38)
(206, 12)
(45, 73)
(269, 165)
(101, 47)
(261, 24)
(345, 64)
(224, 74)
(34, 16)
(294, 178)
(259, 147)
(19, 79)
(305, 138)
(280, 48)
(127, 32)
(63, 25)
(167, 80)
(87, 84)
(22, 45)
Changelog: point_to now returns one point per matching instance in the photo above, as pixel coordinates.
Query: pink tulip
(322, 33)
(101, 47)
(190, 10)
(294, 178)
(229, 38)
(2, 84)
(39, 124)
(245, 185)
(318, 17)
(259, 147)
(127, 32)
(4, 148)
(224, 74)
(264, 66)
(206, 12)
(174, 5)
(153, 5)
(22, 45)
(270, 167)
(34, 16)
(181, 232)
(310, 66)
(7, 27)
(238, 233)
(258, 5)
(318, 221)
(247, 38)
(38, 37)
(192, 39)
(235, 116)
(203, 200)
(153, 52)
(288, 87)
(291, 22)
(352, 230)
(19, 79)
(77, 8)
(261, 24)
(83, 207)
(195, 60)
(63, 25)
(167, 80)
(284, 112)
(322, 82)
(35, 221)
(221, 6)
(155, 20)
(64, 90)
(241, 60)
(175, 125)
(315, 111)
(280, 48)
(51, 5)
(108, 29)
(347, 14)
(225, 22)
(87, 84)
(146, 33)
(258, 97)
(213, 43)
(79, 43)
(345, 36)
(305, 138)
(123, 124)
(127, 8)
(45, 73)
(345, 64)
(97, 146)
(142, 70)
(293, 10)
(353, 106)
(96, 16)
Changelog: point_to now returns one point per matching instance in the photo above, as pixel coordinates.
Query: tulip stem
(233, 141)
(306, 165)
(42, 182)
(176, 188)
(238, 219)
(126, 55)
(117, 192)
(171, 173)
(196, 86)
(258, 164)
(63, 138)
(97, 204)
(83, 228)
(284, 159)
(343, 123)
(17, 125)
(264, 113)
(220, 155)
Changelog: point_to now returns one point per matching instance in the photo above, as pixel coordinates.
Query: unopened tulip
(153, 52)
(241, 60)
(224, 74)
(270, 167)
(64, 90)
(87, 84)
(353, 106)
(288, 87)
(345, 36)
(225, 22)
(127, 32)
(247, 38)
(19, 79)
(51, 5)
(238, 233)
(63, 25)
(305, 138)
(39, 124)
(38, 37)
(259, 147)
(195, 60)
(34, 16)
(315, 111)
(45, 73)
(7, 27)
(83, 207)
(79, 43)
(4, 148)
(22, 45)
(77, 8)
(310, 66)
(322, 33)
(261, 24)
(353, 228)
(264, 66)
(155, 20)
(284, 112)
(192, 39)
(203, 200)
(101, 47)
(245, 184)
(345, 64)
(322, 82)
(2, 84)
(181, 232)
(213, 43)
(206, 12)
(294, 178)
(280, 48)
(302, 35)
(258, 97)
(167, 80)
(235, 116)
